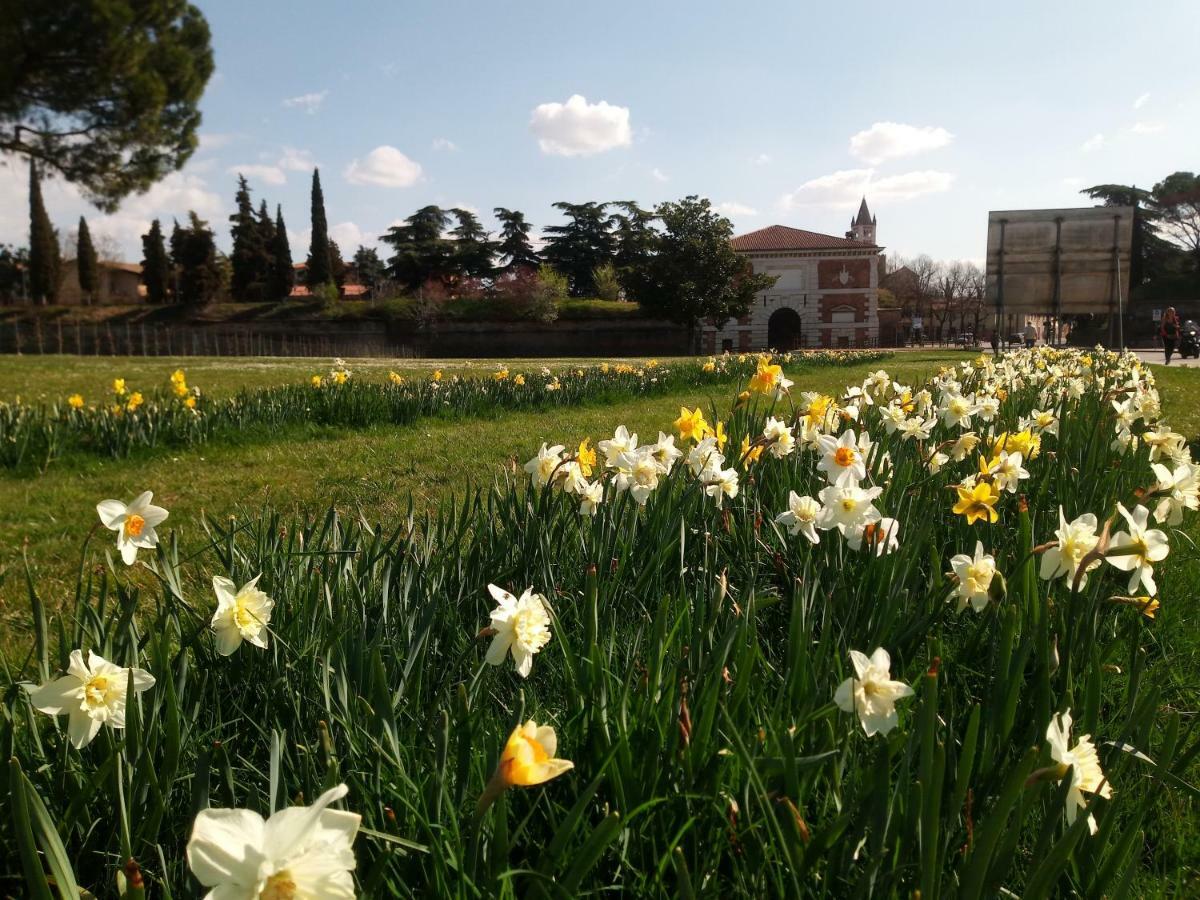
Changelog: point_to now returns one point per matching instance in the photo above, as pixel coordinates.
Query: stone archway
(783, 330)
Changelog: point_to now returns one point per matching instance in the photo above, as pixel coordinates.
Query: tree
(579, 247)
(320, 266)
(472, 249)
(43, 246)
(608, 285)
(283, 275)
(635, 236)
(514, 248)
(103, 92)
(337, 265)
(156, 268)
(14, 265)
(694, 272)
(421, 254)
(370, 269)
(251, 256)
(266, 237)
(1177, 201)
(195, 253)
(1148, 251)
(87, 266)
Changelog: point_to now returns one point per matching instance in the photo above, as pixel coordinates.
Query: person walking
(1168, 330)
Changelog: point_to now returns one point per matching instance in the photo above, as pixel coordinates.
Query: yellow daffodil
(691, 425)
(604, 367)
(750, 454)
(75, 401)
(519, 380)
(527, 760)
(395, 378)
(977, 503)
(710, 366)
(316, 381)
(765, 377)
(119, 387)
(135, 400)
(585, 458)
(1024, 442)
(720, 435)
(437, 374)
(500, 374)
(340, 377)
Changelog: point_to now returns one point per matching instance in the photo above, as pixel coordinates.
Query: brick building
(826, 293)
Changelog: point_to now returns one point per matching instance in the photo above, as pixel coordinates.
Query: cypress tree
(156, 268)
(43, 246)
(320, 265)
(249, 258)
(266, 237)
(87, 266)
(283, 276)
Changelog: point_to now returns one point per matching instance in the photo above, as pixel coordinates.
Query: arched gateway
(784, 330)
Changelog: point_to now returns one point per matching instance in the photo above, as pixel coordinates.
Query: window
(843, 315)
(727, 346)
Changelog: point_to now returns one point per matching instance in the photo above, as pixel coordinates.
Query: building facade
(826, 292)
(117, 283)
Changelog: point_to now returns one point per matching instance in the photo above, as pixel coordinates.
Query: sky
(779, 112)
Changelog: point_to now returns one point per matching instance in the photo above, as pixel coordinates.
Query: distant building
(826, 293)
(119, 283)
(349, 290)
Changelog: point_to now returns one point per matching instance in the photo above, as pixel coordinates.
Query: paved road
(1156, 356)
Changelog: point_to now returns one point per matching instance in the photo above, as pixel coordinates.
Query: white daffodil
(665, 452)
(841, 460)
(1006, 471)
(91, 694)
(704, 457)
(638, 473)
(1181, 491)
(1086, 774)
(243, 614)
(880, 537)
(780, 437)
(1043, 421)
(301, 851)
(975, 576)
(847, 505)
(621, 441)
(1143, 548)
(871, 692)
(591, 495)
(958, 411)
(936, 460)
(964, 446)
(1162, 441)
(521, 626)
(542, 467)
(801, 516)
(721, 483)
(1076, 539)
(134, 524)
(988, 408)
(917, 429)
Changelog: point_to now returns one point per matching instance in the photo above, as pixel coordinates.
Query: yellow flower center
(134, 525)
(527, 625)
(848, 505)
(242, 616)
(844, 456)
(279, 886)
(96, 690)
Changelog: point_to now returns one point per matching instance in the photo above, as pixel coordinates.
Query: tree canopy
(105, 92)
(320, 264)
(514, 248)
(156, 268)
(86, 262)
(579, 247)
(421, 254)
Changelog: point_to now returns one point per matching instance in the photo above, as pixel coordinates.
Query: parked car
(1016, 338)
(1189, 340)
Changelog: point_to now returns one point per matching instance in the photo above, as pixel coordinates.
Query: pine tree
(320, 266)
(514, 249)
(422, 254)
(472, 249)
(195, 254)
(283, 276)
(87, 267)
(581, 246)
(43, 246)
(369, 268)
(250, 257)
(156, 268)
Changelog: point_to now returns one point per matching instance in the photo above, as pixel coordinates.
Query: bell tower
(862, 226)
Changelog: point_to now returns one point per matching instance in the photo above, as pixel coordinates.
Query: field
(697, 640)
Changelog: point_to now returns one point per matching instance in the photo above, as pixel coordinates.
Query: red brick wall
(858, 302)
(829, 270)
(710, 342)
(744, 338)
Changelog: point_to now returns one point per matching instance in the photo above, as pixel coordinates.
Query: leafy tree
(283, 275)
(577, 248)
(694, 272)
(14, 264)
(337, 265)
(514, 248)
(201, 273)
(1177, 201)
(634, 235)
(320, 265)
(251, 256)
(105, 92)
(87, 266)
(370, 268)
(156, 267)
(44, 258)
(472, 250)
(421, 254)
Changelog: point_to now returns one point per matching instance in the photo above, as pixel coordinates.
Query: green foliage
(608, 287)
(320, 264)
(156, 268)
(14, 268)
(253, 239)
(1177, 200)
(44, 261)
(283, 276)
(86, 263)
(201, 274)
(473, 250)
(421, 255)
(514, 248)
(577, 248)
(369, 267)
(126, 75)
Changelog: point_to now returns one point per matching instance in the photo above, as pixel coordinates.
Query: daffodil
(527, 760)
(721, 483)
(1005, 470)
(1086, 774)
(638, 472)
(519, 380)
(541, 468)
(395, 378)
(500, 374)
(847, 505)
(621, 441)
(591, 495)
(977, 503)
(520, 626)
(779, 438)
(665, 452)
(841, 460)
(765, 377)
(1180, 491)
(801, 516)
(748, 454)
(300, 852)
(135, 400)
(315, 381)
(118, 387)
(1075, 540)
(134, 524)
(1138, 549)
(243, 614)
(691, 425)
(91, 694)
(975, 574)
(585, 458)
(881, 536)
(872, 693)
(75, 401)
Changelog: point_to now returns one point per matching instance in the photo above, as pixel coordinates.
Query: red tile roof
(781, 237)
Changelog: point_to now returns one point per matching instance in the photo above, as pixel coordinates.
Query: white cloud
(844, 189)
(891, 140)
(444, 144)
(310, 103)
(1072, 181)
(268, 174)
(735, 210)
(384, 166)
(1148, 128)
(348, 236)
(659, 175)
(579, 128)
(214, 141)
(761, 160)
(1141, 101)
(294, 160)
(1092, 144)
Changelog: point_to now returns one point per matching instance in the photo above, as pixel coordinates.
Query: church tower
(862, 226)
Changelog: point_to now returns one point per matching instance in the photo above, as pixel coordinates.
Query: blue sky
(780, 112)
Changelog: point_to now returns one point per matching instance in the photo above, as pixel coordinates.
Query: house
(826, 292)
(349, 290)
(118, 283)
